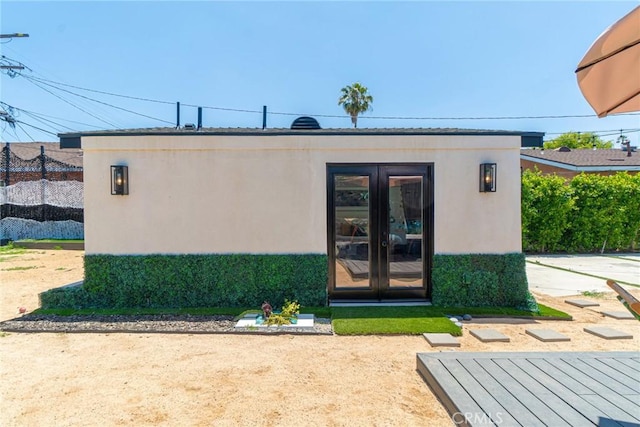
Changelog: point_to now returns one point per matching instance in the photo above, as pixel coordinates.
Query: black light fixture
(488, 177)
(119, 180)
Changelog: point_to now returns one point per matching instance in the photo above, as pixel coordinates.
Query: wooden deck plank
(535, 411)
(609, 373)
(536, 384)
(631, 362)
(591, 378)
(454, 398)
(610, 392)
(487, 393)
(558, 396)
(627, 367)
(564, 386)
(611, 411)
(569, 382)
(539, 384)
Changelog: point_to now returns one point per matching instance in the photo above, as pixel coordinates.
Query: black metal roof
(73, 139)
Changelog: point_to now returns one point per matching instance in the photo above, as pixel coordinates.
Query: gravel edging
(166, 324)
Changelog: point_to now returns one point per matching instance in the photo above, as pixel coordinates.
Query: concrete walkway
(564, 275)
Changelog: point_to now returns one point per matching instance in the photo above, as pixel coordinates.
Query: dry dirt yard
(59, 379)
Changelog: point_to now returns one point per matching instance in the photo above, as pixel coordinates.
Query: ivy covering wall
(481, 280)
(589, 213)
(175, 281)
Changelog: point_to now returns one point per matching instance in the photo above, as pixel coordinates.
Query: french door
(380, 230)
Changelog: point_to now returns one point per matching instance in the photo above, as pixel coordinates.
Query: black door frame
(378, 262)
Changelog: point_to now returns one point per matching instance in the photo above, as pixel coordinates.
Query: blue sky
(419, 59)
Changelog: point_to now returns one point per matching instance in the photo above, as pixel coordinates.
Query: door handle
(383, 244)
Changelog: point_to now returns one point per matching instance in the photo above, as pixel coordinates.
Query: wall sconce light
(488, 177)
(119, 180)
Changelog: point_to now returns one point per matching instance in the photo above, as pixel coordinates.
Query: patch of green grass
(544, 312)
(60, 269)
(593, 294)
(30, 267)
(419, 320)
(10, 249)
(391, 320)
(4, 334)
(51, 240)
(550, 312)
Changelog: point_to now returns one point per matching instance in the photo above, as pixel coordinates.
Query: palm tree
(355, 100)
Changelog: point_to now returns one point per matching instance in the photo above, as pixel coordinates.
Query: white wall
(267, 194)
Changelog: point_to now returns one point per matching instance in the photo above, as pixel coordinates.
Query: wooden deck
(536, 388)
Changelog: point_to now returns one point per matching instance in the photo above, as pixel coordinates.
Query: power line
(242, 110)
(23, 130)
(40, 82)
(105, 103)
(46, 122)
(36, 127)
(73, 105)
(100, 91)
(41, 115)
(616, 131)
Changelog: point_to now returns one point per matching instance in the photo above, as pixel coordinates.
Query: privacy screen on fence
(40, 198)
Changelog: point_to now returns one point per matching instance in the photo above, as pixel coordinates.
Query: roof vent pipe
(199, 118)
(177, 115)
(264, 117)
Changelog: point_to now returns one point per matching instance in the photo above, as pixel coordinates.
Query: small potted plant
(288, 315)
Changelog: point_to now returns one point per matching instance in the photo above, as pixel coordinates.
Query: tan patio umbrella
(609, 74)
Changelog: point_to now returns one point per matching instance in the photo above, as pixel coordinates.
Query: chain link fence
(40, 197)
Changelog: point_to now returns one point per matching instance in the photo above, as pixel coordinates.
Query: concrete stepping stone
(490, 335)
(582, 303)
(441, 340)
(620, 315)
(547, 335)
(608, 333)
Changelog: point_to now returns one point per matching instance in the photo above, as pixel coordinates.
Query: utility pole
(6, 64)
(11, 36)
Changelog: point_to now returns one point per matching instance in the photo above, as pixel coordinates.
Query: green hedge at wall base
(174, 281)
(478, 280)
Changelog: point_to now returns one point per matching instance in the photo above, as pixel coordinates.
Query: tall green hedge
(586, 214)
(174, 281)
(547, 202)
(479, 280)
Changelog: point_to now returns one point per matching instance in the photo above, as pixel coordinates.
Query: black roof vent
(564, 149)
(305, 122)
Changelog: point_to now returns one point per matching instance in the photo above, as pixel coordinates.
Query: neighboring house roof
(31, 150)
(529, 139)
(585, 160)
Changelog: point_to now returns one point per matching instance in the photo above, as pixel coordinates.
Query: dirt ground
(234, 380)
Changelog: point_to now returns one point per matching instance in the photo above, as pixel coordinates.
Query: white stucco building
(373, 206)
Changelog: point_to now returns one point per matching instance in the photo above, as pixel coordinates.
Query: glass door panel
(380, 218)
(352, 236)
(404, 225)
